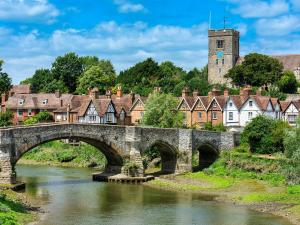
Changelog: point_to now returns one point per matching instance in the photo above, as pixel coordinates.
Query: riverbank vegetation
(58, 153)
(13, 210)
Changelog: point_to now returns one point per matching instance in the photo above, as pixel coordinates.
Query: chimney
(119, 92)
(93, 93)
(245, 92)
(108, 94)
(210, 95)
(195, 93)
(132, 97)
(226, 93)
(185, 92)
(57, 94)
(215, 92)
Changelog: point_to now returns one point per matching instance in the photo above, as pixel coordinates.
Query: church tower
(223, 53)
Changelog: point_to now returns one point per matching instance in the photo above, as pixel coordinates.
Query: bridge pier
(7, 173)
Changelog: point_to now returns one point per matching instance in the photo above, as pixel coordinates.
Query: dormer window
(250, 103)
(21, 101)
(230, 104)
(214, 105)
(45, 101)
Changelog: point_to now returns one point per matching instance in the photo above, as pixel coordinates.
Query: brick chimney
(215, 92)
(57, 94)
(94, 93)
(185, 92)
(119, 92)
(226, 93)
(132, 96)
(195, 93)
(108, 94)
(245, 92)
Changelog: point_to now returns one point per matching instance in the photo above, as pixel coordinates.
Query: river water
(69, 197)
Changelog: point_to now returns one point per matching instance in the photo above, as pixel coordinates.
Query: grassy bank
(13, 210)
(253, 180)
(57, 153)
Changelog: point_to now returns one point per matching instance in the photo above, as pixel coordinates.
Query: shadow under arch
(168, 155)
(113, 156)
(206, 155)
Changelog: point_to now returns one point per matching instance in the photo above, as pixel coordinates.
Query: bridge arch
(168, 155)
(205, 155)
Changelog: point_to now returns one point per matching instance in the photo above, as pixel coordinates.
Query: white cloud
(242, 28)
(123, 44)
(28, 10)
(260, 9)
(280, 26)
(124, 6)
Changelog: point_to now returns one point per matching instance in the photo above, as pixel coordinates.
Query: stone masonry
(120, 144)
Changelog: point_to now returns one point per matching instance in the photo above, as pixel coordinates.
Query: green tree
(41, 117)
(288, 83)
(40, 79)
(5, 80)
(88, 61)
(265, 135)
(6, 118)
(256, 70)
(141, 78)
(160, 111)
(55, 85)
(67, 69)
(102, 76)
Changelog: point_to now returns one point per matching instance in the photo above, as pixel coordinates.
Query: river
(69, 197)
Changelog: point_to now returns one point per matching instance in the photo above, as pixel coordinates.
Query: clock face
(220, 54)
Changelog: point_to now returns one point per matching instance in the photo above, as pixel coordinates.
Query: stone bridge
(119, 144)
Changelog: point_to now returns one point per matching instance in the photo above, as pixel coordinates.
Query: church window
(220, 43)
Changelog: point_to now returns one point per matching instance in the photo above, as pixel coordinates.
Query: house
(199, 110)
(290, 111)
(231, 114)
(25, 106)
(16, 89)
(216, 106)
(185, 106)
(137, 109)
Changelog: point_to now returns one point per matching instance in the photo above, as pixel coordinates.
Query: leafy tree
(160, 111)
(178, 88)
(274, 93)
(41, 117)
(101, 75)
(88, 61)
(67, 69)
(40, 79)
(141, 78)
(288, 83)
(27, 81)
(55, 85)
(264, 135)
(5, 80)
(256, 70)
(6, 118)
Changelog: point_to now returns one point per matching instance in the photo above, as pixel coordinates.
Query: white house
(231, 112)
(291, 112)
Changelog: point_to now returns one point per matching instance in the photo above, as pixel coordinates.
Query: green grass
(57, 152)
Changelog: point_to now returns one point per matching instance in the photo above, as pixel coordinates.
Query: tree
(40, 79)
(256, 70)
(102, 76)
(55, 85)
(141, 78)
(6, 118)
(67, 69)
(160, 111)
(88, 61)
(5, 80)
(288, 83)
(265, 135)
(41, 117)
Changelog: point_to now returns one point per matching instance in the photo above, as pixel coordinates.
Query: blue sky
(34, 32)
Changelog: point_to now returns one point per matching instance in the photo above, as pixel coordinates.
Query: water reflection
(71, 198)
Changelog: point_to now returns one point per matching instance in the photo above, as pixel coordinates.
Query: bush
(218, 128)
(39, 118)
(264, 135)
(6, 118)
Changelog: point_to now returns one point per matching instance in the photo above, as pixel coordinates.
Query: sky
(34, 32)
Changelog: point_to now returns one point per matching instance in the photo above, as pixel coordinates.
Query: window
(217, 61)
(21, 101)
(109, 117)
(20, 112)
(250, 115)
(199, 115)
(292, 118)
(223, 61)
(220, 43)
(122, 115)
(214, 115)
(230, 104)
(29, 112)
(230, 116)
(92, 118)
(250, 103)
(277, 115)
(142, 114)
(214, 105)
(45, 101)
(184, 117)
